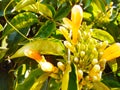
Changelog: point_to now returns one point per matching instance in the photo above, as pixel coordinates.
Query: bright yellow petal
(111, 52)
(74, 36)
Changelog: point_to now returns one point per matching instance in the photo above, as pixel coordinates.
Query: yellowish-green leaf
(1, 27)
(100, 86)
(22, 4)
(102, 35)
(39, 8)
(39, 82)
(43, 46)
(65, 79)
(113, 65)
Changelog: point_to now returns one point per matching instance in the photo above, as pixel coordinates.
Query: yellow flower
(111, 52)
(75, 22)
(45, 66)
(34, 55)
(76, 16)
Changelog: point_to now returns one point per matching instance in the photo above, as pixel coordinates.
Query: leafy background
(31, 20)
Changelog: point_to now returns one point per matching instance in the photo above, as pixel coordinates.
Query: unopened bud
(69, 46)
(80, 74)
(96, 68)
(61, 66)
(94, 61)
(47, 66)
(65, 33)
(77, 15)
(76, 60)
(82, 53)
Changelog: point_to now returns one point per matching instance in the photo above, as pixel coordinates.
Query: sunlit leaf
(65, 79)
(102, 35)
(87, 16)
(113, 65)
(40, 8)
(39, 82)
(1, 27)
(22, 4)
(30, 80)
(44, 46)
(46, 30)
(100, 86)
(20, 21)
(100, 4)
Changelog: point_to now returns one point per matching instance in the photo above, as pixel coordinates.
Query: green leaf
(46, 30)
(3, 48)
(40, 8)
(100, 4)
(39, 82)
(63, 11)
(2, 52)
(44, 46)
(113, 65)
(30, 80)
(112, 83)
(22, 4)
(20, 73)
(102, 35)
(14, 40)
(87, 16)
(73, 81)
(20, 21)
(99, 86)
(87, 3)
(53, 84)
(1, 28)
(65, 79)
(111, 80)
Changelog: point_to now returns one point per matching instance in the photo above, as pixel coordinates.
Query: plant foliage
(48, 30)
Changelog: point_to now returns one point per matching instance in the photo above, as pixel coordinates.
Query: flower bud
(47, 66)
(76, 60)
(94, 70)
(77, 15)
(82, 53)
(94, 61)
(80, 74)
(65, 33)
(69, 46)
(61, 66)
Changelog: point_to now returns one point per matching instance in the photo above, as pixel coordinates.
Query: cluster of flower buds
(88, 54)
